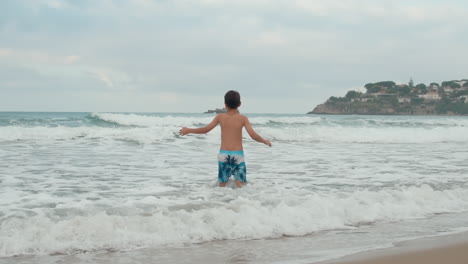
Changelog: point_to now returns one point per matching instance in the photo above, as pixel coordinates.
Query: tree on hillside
(421, 88)
(379, 86)
(411, 83)
(465, 84)
(404, 90)
(369, 85)
(334, 99)
(451, 84)
(460, 93)
(374, 89)
(386, 84)
(392, 90)
(353, 94)
(441, 92)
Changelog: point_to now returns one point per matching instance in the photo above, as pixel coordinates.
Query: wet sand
(451, 249)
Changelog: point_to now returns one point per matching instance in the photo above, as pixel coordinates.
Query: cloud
(385, 10)
(113, 80)
(269, 50)
(71, 59)
(36, 57)
(104, 78)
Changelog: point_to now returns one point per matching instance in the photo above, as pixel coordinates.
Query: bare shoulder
(221, 115)
(244, 118)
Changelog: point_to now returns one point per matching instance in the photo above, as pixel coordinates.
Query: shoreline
(447, 249)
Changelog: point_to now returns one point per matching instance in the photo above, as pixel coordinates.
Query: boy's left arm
(254, 135)
(201, 130)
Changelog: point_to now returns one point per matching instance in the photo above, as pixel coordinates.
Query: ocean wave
(45, 134)
(341, 134)
(177, 120)
(285, 120)
(142, 120)
(96, 120)
(158, 134)
(251, 213)
(151, 120)
(396, 121)
(147, 129)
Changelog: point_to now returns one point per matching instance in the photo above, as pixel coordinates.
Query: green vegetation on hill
(387, 97)
(451, 84)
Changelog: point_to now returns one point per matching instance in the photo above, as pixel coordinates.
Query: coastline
(388, 97)
(448, 249)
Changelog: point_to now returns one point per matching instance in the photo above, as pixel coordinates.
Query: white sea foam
(155, 129)
(250, 213)
(369, 134)
(149, 121)
(43, 134)
(394, 121)
(294, 120)
(152, 121)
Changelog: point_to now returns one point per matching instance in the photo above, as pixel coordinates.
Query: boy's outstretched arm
(202, 130)
(254, 135)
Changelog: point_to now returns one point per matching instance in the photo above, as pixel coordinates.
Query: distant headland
(216, 111)
(389, 98)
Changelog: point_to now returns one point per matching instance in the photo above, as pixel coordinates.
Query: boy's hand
(267, 142)
(184, 131)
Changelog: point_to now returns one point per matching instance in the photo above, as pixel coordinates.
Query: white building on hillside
(466, 98)
(363, 99)
(431, 96)
(404, 100)
(433, 87)
(448, 89)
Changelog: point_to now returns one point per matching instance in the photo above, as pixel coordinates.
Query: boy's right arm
(201, 130)
(254, 135)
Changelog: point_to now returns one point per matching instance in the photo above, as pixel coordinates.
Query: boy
(231, 156)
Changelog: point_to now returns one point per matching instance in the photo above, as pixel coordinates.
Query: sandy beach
(451, 249)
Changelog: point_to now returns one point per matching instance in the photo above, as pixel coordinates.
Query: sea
(127, 188)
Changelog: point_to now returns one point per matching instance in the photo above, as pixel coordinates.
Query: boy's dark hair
(232, 99)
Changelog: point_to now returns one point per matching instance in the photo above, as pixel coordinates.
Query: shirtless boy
(231, 156)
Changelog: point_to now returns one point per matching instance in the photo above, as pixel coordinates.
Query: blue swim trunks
(231, 163)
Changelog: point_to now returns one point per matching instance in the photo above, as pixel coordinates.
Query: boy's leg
(240, 174)
(239, 184)
(223, 170)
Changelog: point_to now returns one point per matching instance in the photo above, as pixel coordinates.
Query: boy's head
(232, 99)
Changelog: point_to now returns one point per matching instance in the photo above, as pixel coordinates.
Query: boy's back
(231, 130)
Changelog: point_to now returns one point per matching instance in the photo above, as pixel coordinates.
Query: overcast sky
(283, 56)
